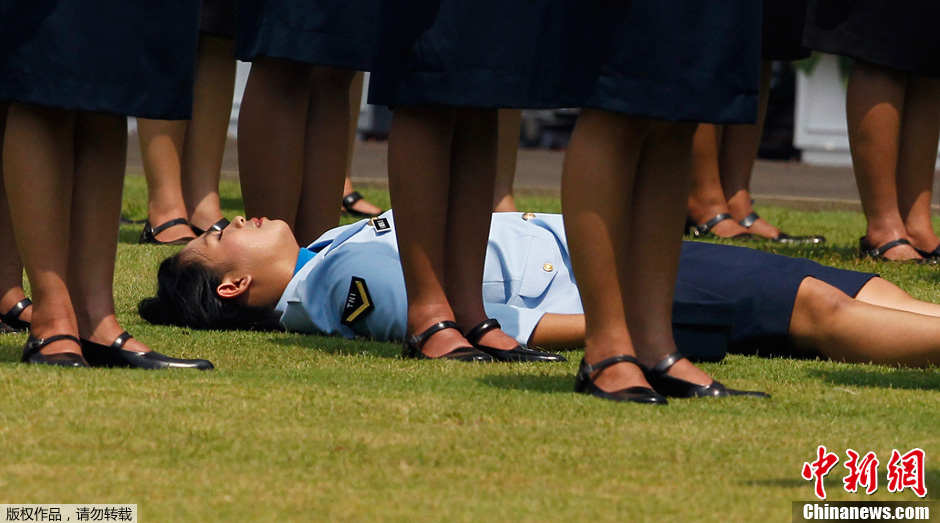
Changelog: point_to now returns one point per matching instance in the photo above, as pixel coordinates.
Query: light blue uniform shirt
(527, 274)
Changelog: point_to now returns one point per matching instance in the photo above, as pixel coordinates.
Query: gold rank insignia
(358, 302)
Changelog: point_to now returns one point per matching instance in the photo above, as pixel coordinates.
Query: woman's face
(252, 246)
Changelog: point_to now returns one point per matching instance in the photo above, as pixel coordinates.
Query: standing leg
(38, 165)
(649, 261)
(11, 267)
(917, 156)
(469, 210)
(739, 146)
(510, 120)
(271, 129)
(873, 108)
(100, 152)
(326, 152)
(419, 160)
(604, 151)
(355, 99)
(706, 198)
(208, 130)
(161, 143)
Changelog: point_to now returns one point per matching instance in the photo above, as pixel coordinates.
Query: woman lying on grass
(349, 282)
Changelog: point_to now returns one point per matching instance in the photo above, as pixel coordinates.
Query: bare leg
(38, 170)
(706, 198)
(11, 267)
(207, 131)
(326, 152)
(917, 154)
(826, 321)
(161, 143)
(469, 209)
(739, 145)
(510, 121)
(100, 153)
(271, 130)
(873, 107)
(419, 159)
(355, 98)
(611, 151)
(649, 261)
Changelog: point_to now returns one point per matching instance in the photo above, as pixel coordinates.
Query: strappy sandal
(349, 201)
(782, 237)
(215, 227)
(865, 250)
(115, 355)
(704, 230)
(149, 234)
(673, 387)
(412, 346)
(585, 385)
(12, 317)
(935, 253)
(517, 353)
(32, 355)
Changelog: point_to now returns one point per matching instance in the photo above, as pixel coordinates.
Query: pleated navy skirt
(117, 56)
(782, 30)
(900, 35)
(675, 60)
(334, 33)
(462, 53)
(741, 300)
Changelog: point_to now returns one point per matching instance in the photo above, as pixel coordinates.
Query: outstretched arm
(558, 332)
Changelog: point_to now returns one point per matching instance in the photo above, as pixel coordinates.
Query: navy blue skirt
(676, 60)
(460, 53)
(334, 33)
(741, 300)
(782, 30)
(900, 35)
(117, 56)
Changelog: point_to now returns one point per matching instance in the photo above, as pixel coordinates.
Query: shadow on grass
(776, 483)
(529, 383)
(908, 379)
(336, 345)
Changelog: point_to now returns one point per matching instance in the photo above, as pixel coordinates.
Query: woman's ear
(232, 287)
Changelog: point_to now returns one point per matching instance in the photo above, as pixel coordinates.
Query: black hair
(186, 297)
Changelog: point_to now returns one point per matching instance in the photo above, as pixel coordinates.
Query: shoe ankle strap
(749, 220)
(121, 340)
(18, 309)
(587, 368)
(480, 330)
(433, 329)
(661, 368)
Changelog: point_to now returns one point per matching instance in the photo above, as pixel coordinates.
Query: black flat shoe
(865, 250)
(114, 355)
(32, 355)
(585, 385)
(678, 388)
(215, 227)
(412, 346)
(149, 234)
(517, 353)
(704, 230)
(783, 237)
(12, 317)
(349, 201)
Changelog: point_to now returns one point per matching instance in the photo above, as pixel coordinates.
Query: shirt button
(548, 267)
(528, 216)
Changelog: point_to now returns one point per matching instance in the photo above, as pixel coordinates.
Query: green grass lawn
(293, 427)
